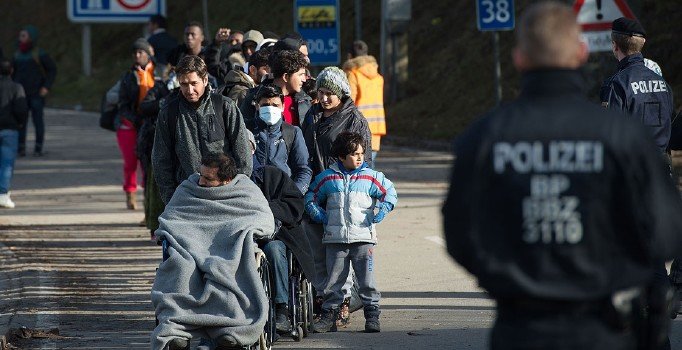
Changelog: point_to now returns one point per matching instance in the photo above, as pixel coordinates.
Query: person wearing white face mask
(278, 143)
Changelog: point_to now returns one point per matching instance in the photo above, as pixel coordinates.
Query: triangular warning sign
(596, 15)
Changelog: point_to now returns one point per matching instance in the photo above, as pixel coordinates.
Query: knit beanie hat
(334, 79)
(143, 44)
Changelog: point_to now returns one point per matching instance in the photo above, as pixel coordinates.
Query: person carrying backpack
(278, 143)
(135, 83)
(195, 123)
(35, 71)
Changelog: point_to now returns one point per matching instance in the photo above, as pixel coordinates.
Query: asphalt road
(74, 262)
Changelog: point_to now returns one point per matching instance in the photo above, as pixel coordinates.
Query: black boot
(372, 319)
(226, 342)
(327, 322)
(282, 320)
(177, 344)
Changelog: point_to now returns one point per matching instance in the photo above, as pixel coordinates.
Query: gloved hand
(384, 208)
(316, 213)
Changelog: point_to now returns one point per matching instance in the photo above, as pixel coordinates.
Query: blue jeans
(9, 142)
(276, 252)
(35, 105)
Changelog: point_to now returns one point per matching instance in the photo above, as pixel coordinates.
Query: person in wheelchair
(209, 286)
(286, 202)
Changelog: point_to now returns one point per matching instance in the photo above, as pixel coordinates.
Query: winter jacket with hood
(197, 133)
(271, 149)
(367, 90)
(320, 132)
(237, 84)
(129, 94)
(34, 68)
(349, 199)
(13, 106)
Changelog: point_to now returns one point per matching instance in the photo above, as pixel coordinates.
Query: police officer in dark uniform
(635, 89)
(639, 92)
(560, 208)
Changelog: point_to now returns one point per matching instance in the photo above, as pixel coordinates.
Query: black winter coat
(286, 203)
(127, 98)
(13, 106)
(163, 43)
(320, 132)
(149, 109)
(553, 197)
(33, 70)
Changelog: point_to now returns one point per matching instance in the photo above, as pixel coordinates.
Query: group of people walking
(249, 100)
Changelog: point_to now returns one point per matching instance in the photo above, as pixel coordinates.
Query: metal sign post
(318, 22)
(495, 15)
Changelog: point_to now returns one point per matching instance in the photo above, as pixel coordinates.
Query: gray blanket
(209, 286)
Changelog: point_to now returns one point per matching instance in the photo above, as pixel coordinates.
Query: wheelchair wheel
(267, 337)
(295, 305)
(307, 303)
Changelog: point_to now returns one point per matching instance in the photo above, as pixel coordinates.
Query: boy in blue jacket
(350, 191)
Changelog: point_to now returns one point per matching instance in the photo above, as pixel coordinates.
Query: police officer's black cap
(629, 27)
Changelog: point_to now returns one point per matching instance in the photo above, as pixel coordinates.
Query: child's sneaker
(372, 319)
(344, 314)
(327, 322)
(6, 201)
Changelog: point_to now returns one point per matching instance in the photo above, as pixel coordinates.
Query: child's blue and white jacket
(350, 199)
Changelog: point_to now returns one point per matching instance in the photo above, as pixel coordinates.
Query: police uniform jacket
(644, 95)
(553, 197)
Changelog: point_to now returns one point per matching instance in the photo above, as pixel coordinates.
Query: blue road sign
(108, 11)
(318, 22)
(495, 14)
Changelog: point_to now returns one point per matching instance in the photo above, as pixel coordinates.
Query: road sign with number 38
(495, 14)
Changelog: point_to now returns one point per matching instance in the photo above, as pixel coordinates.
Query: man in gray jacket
(195, 123)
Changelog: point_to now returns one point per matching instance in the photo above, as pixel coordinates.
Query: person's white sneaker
(5, 201)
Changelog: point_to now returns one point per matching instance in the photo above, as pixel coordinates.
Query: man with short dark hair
(216, 170)
(293, 41)
(193, 39)
(561, 209)
(162, 42)
(259, 65)
(278, 143)
(288, 69)
(13, 114)
(194, 123)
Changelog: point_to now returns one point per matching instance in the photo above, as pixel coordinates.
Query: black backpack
(174, 108)
(109, 108)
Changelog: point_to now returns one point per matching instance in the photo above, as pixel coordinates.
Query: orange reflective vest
(367, 91)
